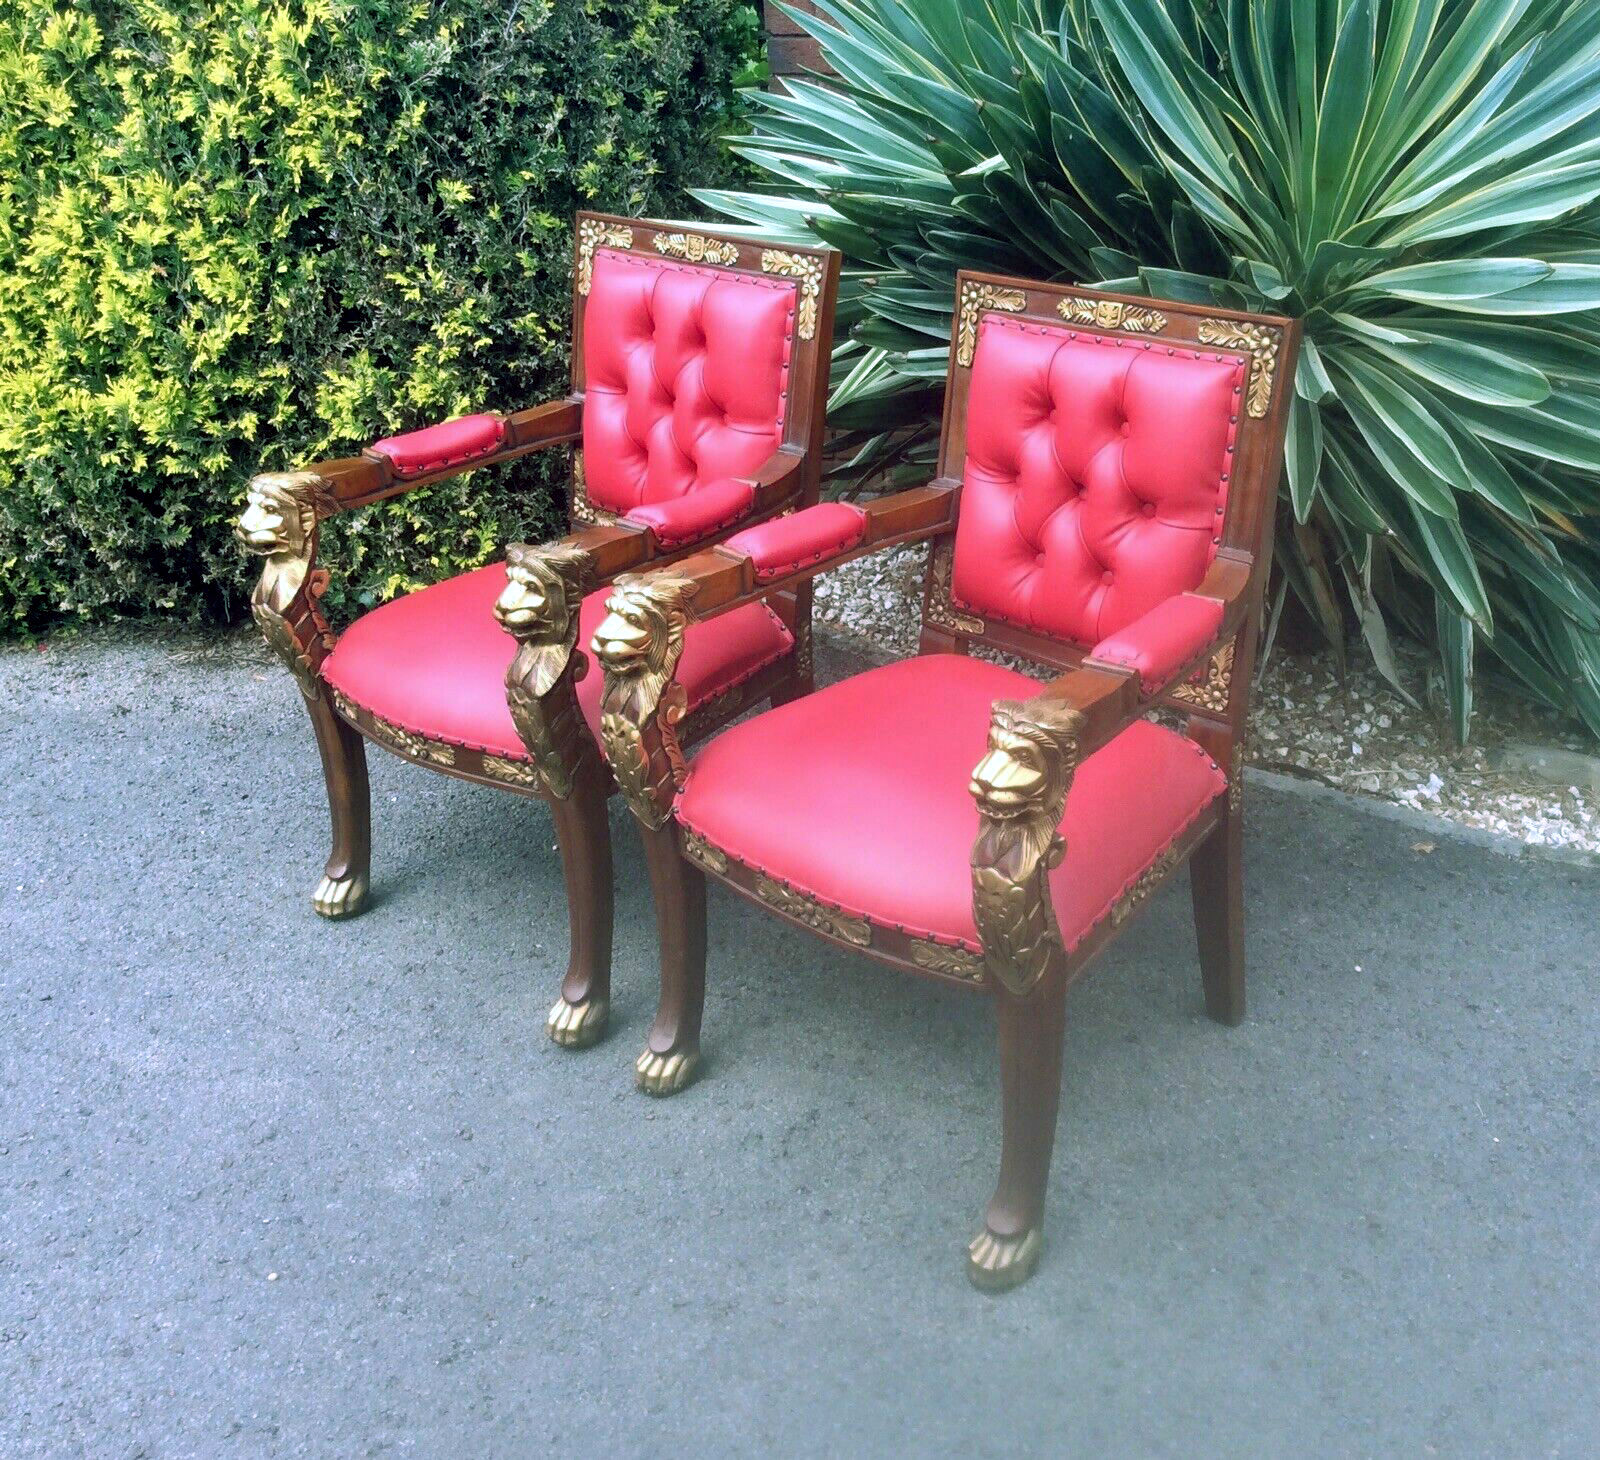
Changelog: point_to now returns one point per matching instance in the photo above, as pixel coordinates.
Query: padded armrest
(1158, 644)
(696, 514)
(787, 544)
(448, 444)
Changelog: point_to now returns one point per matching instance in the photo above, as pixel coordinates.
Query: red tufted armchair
(699, 373)
(1103, 505)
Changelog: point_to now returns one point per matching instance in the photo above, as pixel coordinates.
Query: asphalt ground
(270, 1186)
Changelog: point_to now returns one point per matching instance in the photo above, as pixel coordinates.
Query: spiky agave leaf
(1416, 179)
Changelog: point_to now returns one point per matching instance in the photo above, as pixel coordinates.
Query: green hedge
(239, 235)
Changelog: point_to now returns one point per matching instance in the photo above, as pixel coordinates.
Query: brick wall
(789, 50)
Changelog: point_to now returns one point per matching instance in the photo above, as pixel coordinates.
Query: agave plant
(1416, 179)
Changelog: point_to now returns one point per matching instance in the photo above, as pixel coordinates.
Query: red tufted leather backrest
(687, 375)
(1096, 478)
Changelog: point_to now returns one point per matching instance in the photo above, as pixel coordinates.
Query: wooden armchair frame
(1021, 784)
(539, 606)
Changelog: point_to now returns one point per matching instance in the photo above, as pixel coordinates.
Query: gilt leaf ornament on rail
(808, 272)
(696, 248)
(1112, 314)
(1262, 342)
(592, 234)
(976, 301)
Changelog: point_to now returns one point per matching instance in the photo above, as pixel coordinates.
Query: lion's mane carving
(279, 523)
(539, 606)
(1021, 787)
(639, 643)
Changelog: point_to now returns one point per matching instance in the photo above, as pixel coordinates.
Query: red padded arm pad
(696, 514)
(1163, 640)
(449, 444)
(787, 544)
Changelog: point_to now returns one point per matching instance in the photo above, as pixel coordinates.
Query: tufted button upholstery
(434, 662)
(687, 370)
(1095, 469)
(857, 795)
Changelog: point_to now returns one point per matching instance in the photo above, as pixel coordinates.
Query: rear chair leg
(672, 1051)
(583, 835)
(1032, 1029)
(342, 893)
(1216, 884)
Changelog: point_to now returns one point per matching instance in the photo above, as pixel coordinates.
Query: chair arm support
(641, 638)
(283, 511)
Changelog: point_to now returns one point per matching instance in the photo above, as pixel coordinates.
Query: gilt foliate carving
(947, 959)
(279, 524)
(593, 234)
(1262, 341)
(696, 248)
(814, 914)
(639, 643)
(539, 607)
(1211, 692)
(808, 272)
(940, 610)
(582, 508)
(1021, 787)
(1112, 314)
(976, 301)
(698, 850)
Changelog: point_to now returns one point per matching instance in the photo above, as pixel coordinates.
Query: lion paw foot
(573, 1026)
(997, 1263)
(665, 1074)
(340, 897)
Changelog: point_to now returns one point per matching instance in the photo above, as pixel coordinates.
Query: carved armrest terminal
(540, 607)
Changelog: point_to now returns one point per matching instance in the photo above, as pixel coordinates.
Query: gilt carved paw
(995, 1264)
(666, 1074)
(340, 897)
(575, 1026)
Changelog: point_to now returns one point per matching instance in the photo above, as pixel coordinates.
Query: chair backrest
(697, 357)
(1109, 448)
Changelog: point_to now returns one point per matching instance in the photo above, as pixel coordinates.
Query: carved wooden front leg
(639, 644)
(1021, 787)
(279, 524)
(539, 607)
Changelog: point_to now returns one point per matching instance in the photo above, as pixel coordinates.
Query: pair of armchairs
(1103, 505)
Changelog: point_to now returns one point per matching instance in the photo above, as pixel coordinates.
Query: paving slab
(274, 1187)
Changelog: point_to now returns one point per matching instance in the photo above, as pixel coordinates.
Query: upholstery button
(1127, 426)
(1149, 509)
(1105, 577)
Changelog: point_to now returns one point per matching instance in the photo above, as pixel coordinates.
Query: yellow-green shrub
(242, 234)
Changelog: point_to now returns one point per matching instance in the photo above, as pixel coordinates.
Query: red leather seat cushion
(857, 794)
(448, 444)
(435, 661)
(686, 375)
(787, 544)
(1096, 478)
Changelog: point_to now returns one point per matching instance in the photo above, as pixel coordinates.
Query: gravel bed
(1356, 734)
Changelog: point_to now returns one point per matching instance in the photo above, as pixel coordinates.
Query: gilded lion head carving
(1029, 763)
(544, 588)
(642, 632)
(281, 513)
